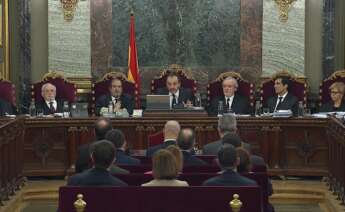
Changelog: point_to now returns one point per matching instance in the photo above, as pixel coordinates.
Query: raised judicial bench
(159, 199)
(209, 159)
(186, 169)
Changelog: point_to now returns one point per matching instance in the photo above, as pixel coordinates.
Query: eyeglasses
(335, 92)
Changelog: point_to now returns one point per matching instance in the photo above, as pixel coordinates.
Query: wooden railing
(336, 166)
(11, 157)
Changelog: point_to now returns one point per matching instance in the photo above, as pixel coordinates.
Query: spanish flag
(133, 67)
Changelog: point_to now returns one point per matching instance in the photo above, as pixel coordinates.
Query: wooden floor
(289, 196)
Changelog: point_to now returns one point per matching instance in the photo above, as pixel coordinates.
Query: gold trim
(336, 74)
(284, 7)
(176, 68)
(285, 73)
(5, 70)
(232, 74)
(68, 8)
(114, 74)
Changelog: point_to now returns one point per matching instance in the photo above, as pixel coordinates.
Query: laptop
(79, 110)
(157, 102)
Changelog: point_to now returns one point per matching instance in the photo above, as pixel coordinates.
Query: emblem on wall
(69, 7)
(284, 7)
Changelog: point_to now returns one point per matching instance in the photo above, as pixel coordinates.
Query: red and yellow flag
(133, 67)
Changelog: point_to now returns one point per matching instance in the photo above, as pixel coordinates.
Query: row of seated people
(183, 97)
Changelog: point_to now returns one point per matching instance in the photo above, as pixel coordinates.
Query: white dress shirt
(230, 101)
(176, 97)
(54, 104)
(278, 100)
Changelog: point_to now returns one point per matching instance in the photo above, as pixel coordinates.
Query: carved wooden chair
(338, 76)
(101, 87)
(298, 86)
(8, 91)
(245, 88)
(186, 81)
(64, 89)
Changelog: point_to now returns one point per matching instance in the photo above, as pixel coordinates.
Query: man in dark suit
(117, 98)
(118, 139)
(283, 100)
(102, 126)
(171, 131)
(226, 124)
(5, 107)
(186, 141)
(231, 100)
(102, 156)
(179, 97)
(228, 161)
(50, 104)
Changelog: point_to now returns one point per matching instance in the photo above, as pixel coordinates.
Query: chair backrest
(245, 88)
(160, 80)
(101, 87)
(8, 91)
(144, 199)
(155, 139)
(338, 76)
(298, 86)
(64, 89)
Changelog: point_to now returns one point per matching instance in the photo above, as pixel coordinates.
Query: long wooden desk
(294, 146)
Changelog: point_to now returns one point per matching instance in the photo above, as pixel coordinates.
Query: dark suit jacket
(124, 159)
(240, 105)
(83, 160)
(114, 169)
(127, 102)
(191, 160)
(151, 150)
(290, 102)
(5, 107)
(95, 177)
(185, 94)
(42, 105)
(229, 178)
(329, 107)
(213, 147)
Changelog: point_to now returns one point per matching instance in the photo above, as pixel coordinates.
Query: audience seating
(338, 76)
(207, 158)
(64, 89)
(245, 88)
(186, 81)
(8, 91)
(160, 199)
(298, 87)
(101, 87)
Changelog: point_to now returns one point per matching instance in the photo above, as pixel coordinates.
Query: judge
(50, 104)
(336, 90)
(231, 100)
(283, 100)
(179, 97)
(120, 101)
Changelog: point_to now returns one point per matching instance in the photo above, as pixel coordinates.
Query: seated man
(228, 161)
(186, 141)
(231, 100)
(50, 104)
(170, 131)
(118, 139)
(102, 126)
(120, 101)
(283, 100)
(103, 156)
(179, 97)
(5, 108)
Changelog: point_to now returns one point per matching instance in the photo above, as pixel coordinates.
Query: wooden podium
(176, 113)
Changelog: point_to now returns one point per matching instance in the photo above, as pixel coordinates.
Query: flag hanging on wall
(133, 67)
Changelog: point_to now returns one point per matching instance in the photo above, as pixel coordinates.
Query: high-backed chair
(298, 86)
(64, 89)
(160, 80)
(245, 88)
(101, 87)
(8, 91)
(338, 76)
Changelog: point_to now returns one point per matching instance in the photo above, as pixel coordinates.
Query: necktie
(173, 101)
(51, 107)
(228, 103)
(279, 103)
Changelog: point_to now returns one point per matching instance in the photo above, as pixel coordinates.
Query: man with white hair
(232, 101)
(171, 131)
(50, 104)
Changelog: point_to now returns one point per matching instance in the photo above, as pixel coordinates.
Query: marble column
(328, 58)
(24, 89)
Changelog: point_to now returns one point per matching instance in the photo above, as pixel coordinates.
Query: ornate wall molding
(284, 7)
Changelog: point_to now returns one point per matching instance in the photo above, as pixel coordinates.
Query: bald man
(171, 131)
(50, 104)
(231, 100)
